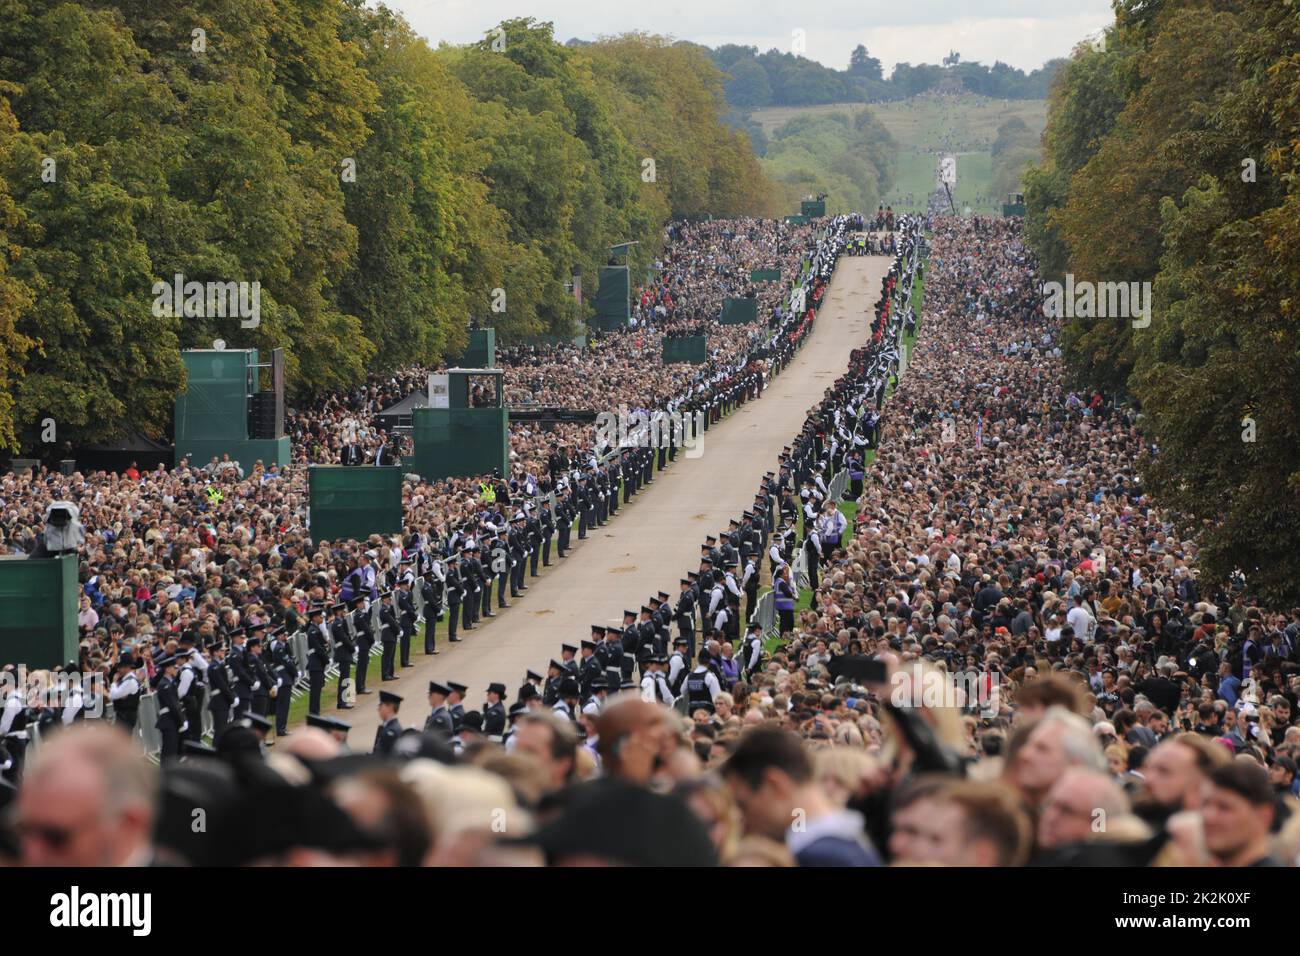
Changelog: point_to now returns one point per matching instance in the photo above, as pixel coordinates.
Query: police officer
(547, 523)
(287, 672)
(432, 589)
(679, 665)
(389, 630)
(589, 668)
(171, 715)
(701, 686)
(407, 616)
(190, 686)
(262, 680)
(685, 614)
(365, 638)
(551, 691)
(453, 588)
(221, 693)
(570, 693)
(456, 704)
(389, 729)
(317, 656)
(440, 718)
(494, 711)
(237, 662)
(345, 650)
(752, 651)
(654, 684)
(125, 692)
(610, 650)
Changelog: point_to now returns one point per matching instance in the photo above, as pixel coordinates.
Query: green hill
(993, 140)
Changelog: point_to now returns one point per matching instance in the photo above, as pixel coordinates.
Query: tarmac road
(652, 541)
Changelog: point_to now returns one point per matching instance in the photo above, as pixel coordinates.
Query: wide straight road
(655, 539)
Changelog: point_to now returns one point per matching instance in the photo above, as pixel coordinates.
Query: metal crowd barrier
(835, 490)
(146, 730)
(765, 613)
(799, 569)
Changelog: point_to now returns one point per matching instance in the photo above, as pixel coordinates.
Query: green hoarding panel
(460, 442)
(764, 275)
(214, 405)
(354, 502)
(796, 220)
(212, 413)
(690, 348)
(613, 299)
(38, 610)
(739, 311)
(812, 208)
(481, 351)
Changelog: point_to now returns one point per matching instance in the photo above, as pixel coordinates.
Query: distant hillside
(994, 140)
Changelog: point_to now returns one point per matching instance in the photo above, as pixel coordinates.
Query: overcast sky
(1024, 33)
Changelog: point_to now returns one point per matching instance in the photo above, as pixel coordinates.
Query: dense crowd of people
(994, 651)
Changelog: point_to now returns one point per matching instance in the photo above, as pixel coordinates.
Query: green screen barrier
(211, 415)
(613, 299)
(692, 348)
(812, 208)
(38, 610)
(481, 351)
(460, 442)
(764, 275)
(797, 220)
(354, 502)
(739, 311)
(214, 405)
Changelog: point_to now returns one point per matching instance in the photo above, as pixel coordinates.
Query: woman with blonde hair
(843, 771)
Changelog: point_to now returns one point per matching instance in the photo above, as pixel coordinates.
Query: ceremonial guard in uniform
(547, 524)
(262, 680)
(389, 729)
(190, 686)
(590, 667)
(361, 625)
(431, 590)
(454, 589)
(407, 616)
(171, 716)
(494, 712)
(317, 656)
(749, 584)
(221, 696)
(551, 689)
(345, 650)
(125, 693)
(570, 693)
(237, 662)
(440, 718)
(456, 704)
(287, 673)
(389, 629)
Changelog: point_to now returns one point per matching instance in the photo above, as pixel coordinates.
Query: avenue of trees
(379, 190)
(1172, 156)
